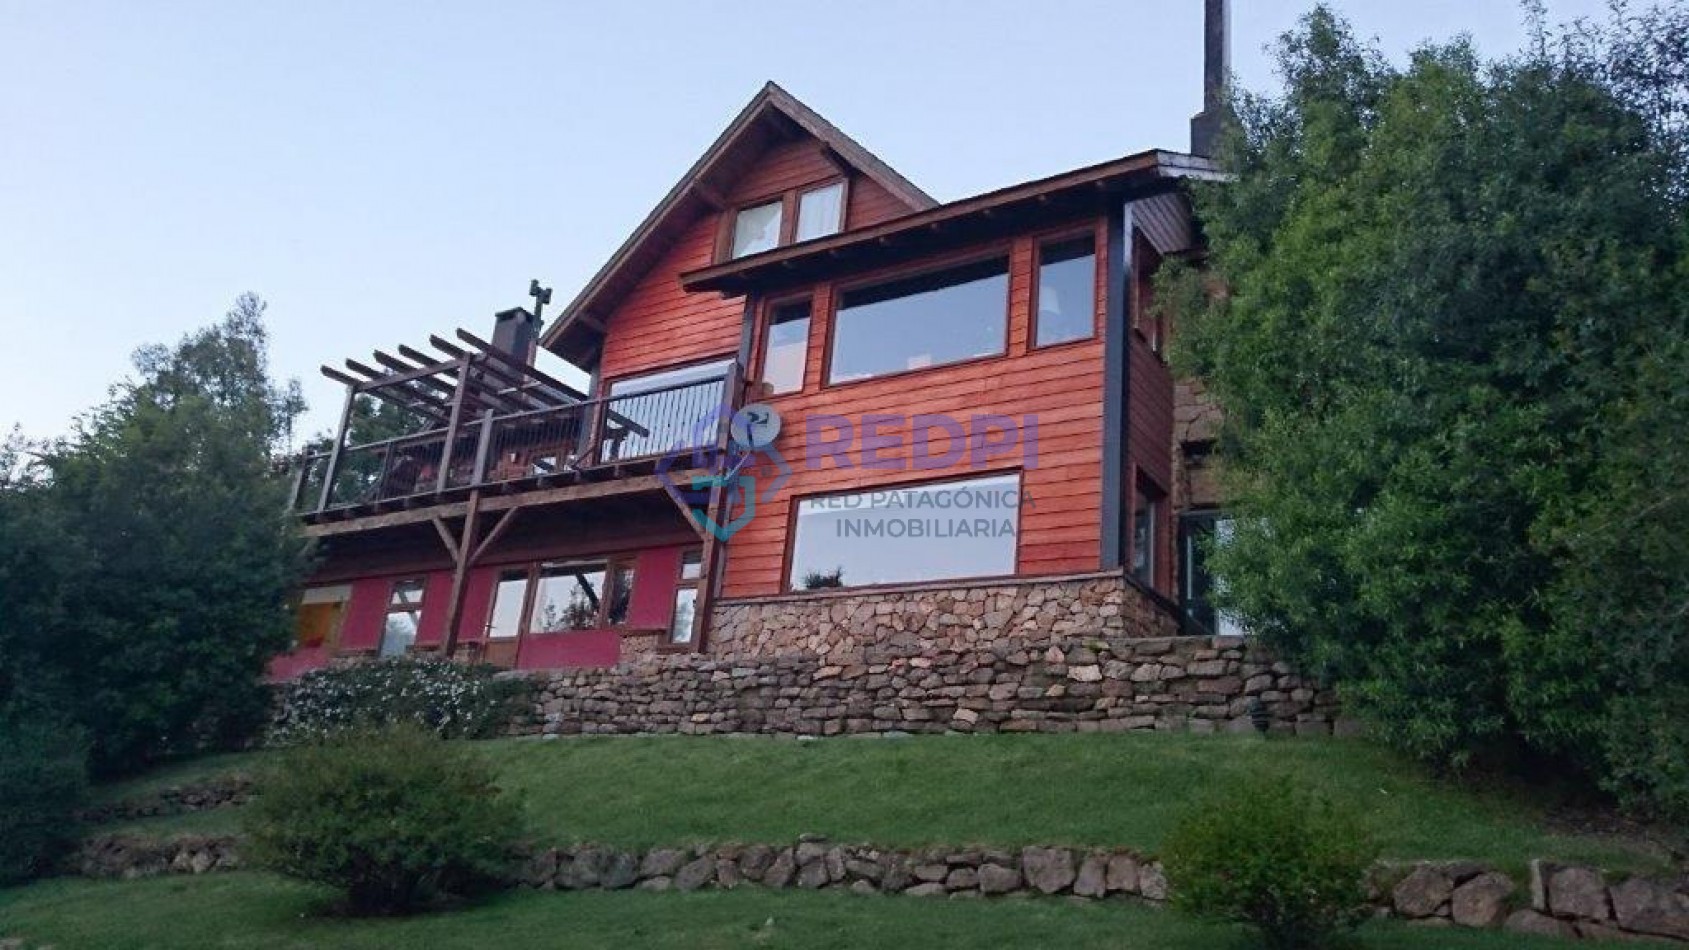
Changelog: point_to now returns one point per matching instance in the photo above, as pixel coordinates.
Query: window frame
(732, 229)
(1157, 548)
(530, 594)
(1191, 523)
(789, 200)
(797, 196)
(340, 600)
(683, 583)
(1143, 296)
(1035, 281)
(765, 331)
(999, 250)
(794, 504)
(391, 608)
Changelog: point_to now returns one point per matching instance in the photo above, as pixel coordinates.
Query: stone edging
(1563, 901)
(223, 792)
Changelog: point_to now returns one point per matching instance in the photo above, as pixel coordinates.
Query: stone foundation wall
(865, 626)
(1011, 684)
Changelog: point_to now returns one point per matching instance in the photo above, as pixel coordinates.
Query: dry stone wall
(1074, 654)
(867, 626)
(1558, 900)
(1073, 684)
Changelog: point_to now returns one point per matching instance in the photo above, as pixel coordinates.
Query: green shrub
(1274, 856)
(456, 700)
(397, 819)
(43, 780)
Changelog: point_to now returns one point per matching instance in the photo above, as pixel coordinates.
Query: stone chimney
(1216, 69)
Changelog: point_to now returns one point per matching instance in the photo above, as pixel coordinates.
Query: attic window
(757, 229)
(821, 211)
(799, 214)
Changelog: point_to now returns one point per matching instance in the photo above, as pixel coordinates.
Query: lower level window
(686, 596)
(964, 528)
(559, 596)
(404, 616)
(1199, 533)
(318, 617)
(1146, 532)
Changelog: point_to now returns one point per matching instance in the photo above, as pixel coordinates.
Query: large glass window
(404, 616)
(820, 211)
(916, 322)
(1200, 533)
(658, 412)
(757, 229)
(567, 597)
(941, 530)
(508, 599)
(1067, 290)
(785, 350)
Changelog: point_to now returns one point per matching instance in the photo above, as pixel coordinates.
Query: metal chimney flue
(1216, 68)
(517, 332)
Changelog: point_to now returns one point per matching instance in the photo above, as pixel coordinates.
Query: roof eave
(1119, 175)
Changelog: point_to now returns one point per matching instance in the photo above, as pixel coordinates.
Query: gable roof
(772, 115)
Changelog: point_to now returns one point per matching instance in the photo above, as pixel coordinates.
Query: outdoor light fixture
(1259, 716)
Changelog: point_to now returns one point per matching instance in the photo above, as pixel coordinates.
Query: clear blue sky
(382, 170)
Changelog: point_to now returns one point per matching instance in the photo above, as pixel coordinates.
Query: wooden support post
(715, 549)
(452, 423)
(460, 574)
(482, 446)
(334, 453)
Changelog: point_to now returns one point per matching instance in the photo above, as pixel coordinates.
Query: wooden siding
(657, 324)
(1149, 439)
(1061, 386)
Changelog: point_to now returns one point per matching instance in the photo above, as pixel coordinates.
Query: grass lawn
(247, 910)
(1106, 790)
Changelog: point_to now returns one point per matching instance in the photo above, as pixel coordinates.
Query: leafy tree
(169, 558)
(1451, 350)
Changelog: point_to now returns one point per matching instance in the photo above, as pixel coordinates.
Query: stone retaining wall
(1559, 901)
(224, 792)
(1011, 684)
(1563, 901)
(131, 856)
(864, 626)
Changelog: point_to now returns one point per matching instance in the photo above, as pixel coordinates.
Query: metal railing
(497, 449)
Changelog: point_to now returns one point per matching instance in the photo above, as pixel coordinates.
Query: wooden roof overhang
(772, 117)
(1155, 176)
(468, 379)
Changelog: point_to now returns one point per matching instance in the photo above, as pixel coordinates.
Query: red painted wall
(576, 648)
(365, 614)
(655, 574)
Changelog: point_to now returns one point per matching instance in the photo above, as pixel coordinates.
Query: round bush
(43, 780)
(1273, 855)
(397, 819)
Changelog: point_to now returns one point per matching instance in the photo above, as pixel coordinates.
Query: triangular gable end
(771, 117)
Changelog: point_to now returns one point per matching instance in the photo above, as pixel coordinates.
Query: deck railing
(497, 449)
